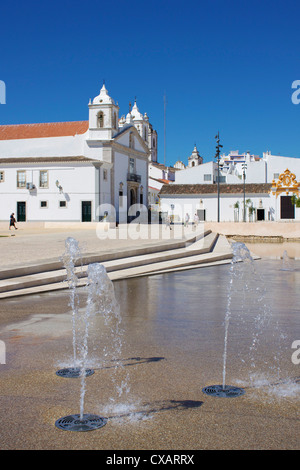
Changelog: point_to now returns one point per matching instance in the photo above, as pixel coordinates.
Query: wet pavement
(172, 347)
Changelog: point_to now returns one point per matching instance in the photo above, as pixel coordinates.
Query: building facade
(235, 202)
(250, 188)
(77, 170)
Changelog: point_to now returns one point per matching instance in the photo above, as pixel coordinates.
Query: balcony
(134, 177)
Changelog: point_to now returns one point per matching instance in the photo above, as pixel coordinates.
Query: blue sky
(224, 65)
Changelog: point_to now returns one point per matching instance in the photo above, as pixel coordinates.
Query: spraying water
(246, 293)
(70, 257)
(287, 264)
(101, 301)
(240, 254)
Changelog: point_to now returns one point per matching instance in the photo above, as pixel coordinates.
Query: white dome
(136, 115)
(129, 118)
(103, 97)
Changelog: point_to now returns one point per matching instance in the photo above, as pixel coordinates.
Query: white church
(77, 171)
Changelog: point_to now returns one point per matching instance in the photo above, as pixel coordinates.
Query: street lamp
(217, 156)
(244, 166)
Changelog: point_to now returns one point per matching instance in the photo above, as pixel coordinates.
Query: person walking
(168, 222)
(187, 219)
(12, 221)
(196, 221)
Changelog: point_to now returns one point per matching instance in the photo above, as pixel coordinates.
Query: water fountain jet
(100, 301)
(240, 254)
(71, 256)
(286, 262)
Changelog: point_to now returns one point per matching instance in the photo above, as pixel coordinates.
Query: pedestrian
(12, 221)
(196, 220)
(168, 222)
(187, 219)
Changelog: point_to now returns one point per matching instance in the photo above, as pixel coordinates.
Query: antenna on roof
(165, 106)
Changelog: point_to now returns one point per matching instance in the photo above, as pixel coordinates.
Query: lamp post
(217, 156)
(244, 166)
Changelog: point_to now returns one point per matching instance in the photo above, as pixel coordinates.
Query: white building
(193, 160)
(159, 175)
(77, 171)
(233, 166)
(236, 202)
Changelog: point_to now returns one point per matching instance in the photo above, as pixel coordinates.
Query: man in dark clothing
(12, 222)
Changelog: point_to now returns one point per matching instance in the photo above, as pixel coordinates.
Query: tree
(296, 200)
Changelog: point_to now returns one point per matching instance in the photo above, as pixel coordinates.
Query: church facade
(77, 171)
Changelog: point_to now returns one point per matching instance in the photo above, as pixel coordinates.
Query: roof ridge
(42, 130)
(44, 123)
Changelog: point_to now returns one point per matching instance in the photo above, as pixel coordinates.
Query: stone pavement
(31, 261)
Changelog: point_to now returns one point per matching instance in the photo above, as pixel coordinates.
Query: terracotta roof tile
(32, 160)
(48, 129)
(173, 189)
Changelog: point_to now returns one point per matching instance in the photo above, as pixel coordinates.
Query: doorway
(86, 211)
(201, 214)
(132, 199)
(287, 208)
(21, 211)
(260, 214)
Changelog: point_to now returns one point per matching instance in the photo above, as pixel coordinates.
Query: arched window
(131, 140)
(100, 119)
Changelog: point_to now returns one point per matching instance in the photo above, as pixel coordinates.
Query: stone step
(204, 259)
(203, 245)
(54, 265)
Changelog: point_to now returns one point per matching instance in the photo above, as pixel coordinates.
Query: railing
(134, 177)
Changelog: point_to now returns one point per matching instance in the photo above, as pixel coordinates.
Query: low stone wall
(257, 231)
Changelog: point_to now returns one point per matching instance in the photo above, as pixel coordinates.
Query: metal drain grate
(73, 372)
(74, 423)
(228, 391)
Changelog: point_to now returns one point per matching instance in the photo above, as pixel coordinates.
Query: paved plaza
(172, 346)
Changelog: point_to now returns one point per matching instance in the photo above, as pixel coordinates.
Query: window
(44, 204)
(276, 176)
(131, 140)
(21, 179)
(1, 176)
(44, 179)
(222, 179)
(141, 195)
(115, 121)
(62, 203)
(105, 175)
(100, 120)
(131, 165)
(207, 177)
(120, 198)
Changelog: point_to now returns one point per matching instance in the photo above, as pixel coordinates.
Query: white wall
(191, 203)
(78, 183)
(195, 175)
(43, 147)
(278, 164)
